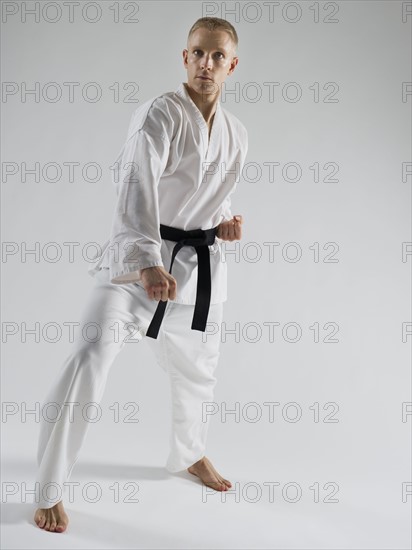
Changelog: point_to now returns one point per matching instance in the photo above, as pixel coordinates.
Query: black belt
(200, 239)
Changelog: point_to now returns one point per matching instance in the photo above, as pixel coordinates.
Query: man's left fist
(230, 230)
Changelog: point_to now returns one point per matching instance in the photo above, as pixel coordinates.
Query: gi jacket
(169, 172)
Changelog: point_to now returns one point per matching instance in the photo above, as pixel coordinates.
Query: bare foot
(205, 471)
(52, 519)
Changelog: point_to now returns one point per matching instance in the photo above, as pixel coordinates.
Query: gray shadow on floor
(85, 468)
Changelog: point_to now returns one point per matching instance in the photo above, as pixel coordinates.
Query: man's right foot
(52, 519)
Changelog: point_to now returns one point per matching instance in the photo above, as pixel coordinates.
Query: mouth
(203, 77)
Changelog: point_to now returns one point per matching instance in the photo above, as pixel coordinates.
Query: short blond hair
(212, 23)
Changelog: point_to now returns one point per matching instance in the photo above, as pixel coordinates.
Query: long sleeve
(226, 213)
(227, 210)
(135, 236)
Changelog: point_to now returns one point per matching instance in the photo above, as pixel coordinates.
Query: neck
(206, 103)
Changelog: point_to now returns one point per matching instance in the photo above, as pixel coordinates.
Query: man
(175, 174)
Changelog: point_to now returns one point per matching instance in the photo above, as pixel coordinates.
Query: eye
(220, 54)
(196, 52)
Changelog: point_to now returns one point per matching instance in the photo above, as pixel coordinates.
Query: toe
(60, 527)
(216, 485)
(224, 482)
(40, 520)
(53, 526)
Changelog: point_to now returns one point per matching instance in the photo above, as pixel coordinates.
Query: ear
(184, 54)
(233, 64)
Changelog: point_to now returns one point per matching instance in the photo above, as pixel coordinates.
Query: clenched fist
(158, 283)
(230, 230)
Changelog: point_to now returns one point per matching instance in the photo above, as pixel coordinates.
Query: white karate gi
(167, 173)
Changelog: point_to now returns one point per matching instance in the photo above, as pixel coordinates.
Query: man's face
(211, 55)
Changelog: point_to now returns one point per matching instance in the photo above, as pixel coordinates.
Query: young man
(175, 174)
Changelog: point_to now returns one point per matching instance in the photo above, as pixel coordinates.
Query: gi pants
(120, 312)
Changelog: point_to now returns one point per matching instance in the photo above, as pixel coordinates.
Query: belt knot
(200, 239)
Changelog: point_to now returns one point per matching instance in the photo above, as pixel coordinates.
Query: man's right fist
(158, 283)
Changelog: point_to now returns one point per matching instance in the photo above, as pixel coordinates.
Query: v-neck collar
(199, 118)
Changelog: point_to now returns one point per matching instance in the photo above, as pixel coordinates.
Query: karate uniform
(167, 172)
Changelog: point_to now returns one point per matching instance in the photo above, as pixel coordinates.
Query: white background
(351, 113)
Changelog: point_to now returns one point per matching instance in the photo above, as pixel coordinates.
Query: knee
(92, 356)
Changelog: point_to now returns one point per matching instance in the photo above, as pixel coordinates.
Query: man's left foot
(204, 469)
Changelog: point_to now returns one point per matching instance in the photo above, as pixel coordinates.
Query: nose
(206, 61)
